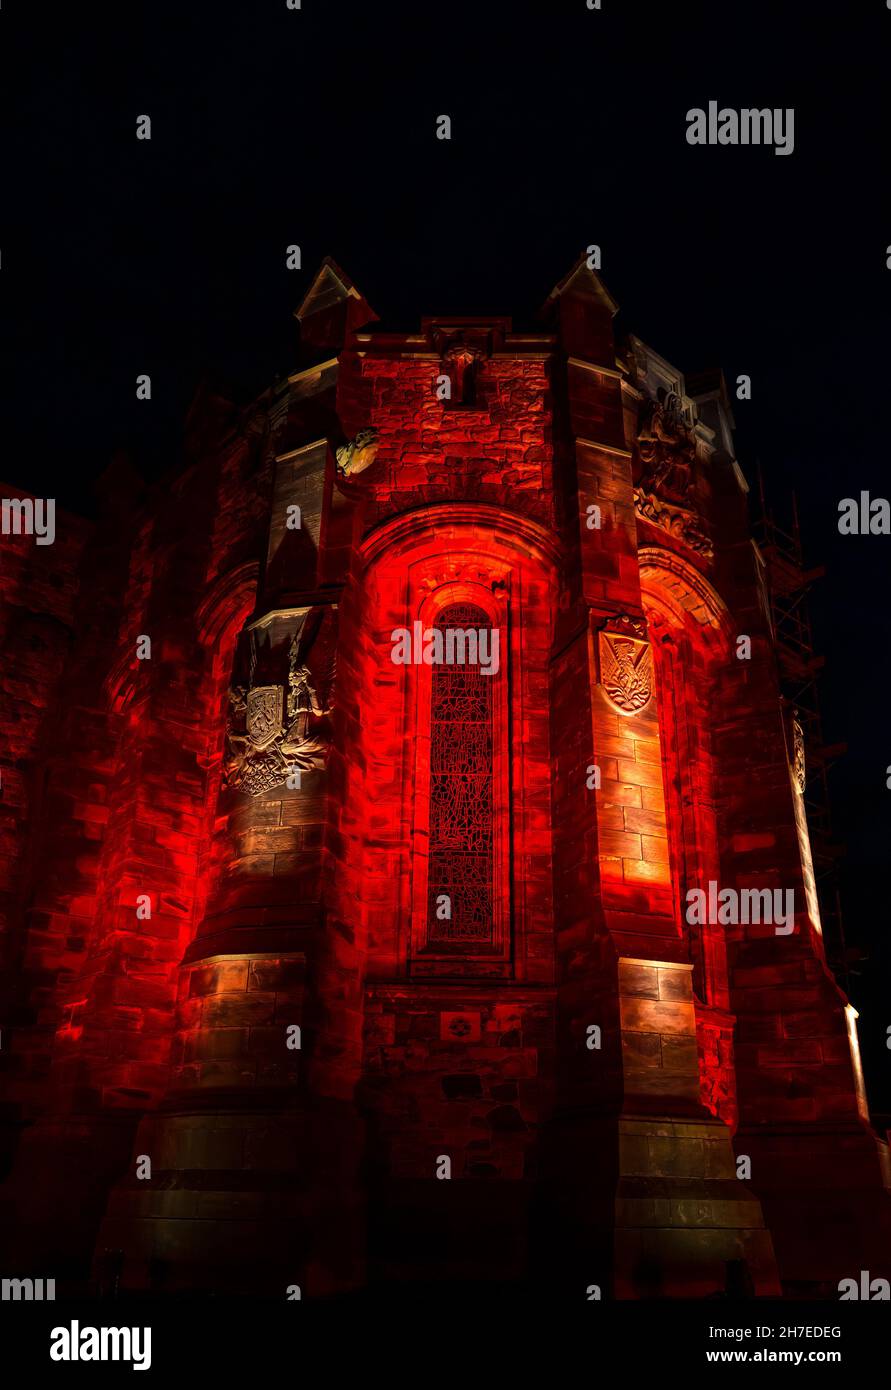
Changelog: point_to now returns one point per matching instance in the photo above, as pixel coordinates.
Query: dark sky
(317, 127)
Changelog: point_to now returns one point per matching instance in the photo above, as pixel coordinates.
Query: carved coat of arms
(270, 734)
(626, 667)
(263, 714)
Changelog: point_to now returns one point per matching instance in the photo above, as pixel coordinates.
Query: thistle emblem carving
(626, 668)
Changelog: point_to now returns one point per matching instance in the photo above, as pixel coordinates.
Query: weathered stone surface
(290, 1031)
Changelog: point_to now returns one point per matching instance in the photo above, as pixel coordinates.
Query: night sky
(317, 127)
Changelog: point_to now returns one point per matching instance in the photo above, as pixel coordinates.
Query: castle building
(405, 871)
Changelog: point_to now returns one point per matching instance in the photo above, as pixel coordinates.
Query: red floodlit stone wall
(118, 798)
(274, 905)
(497, 450)
(114, 1044)
(456, 1056)
(42, 942)
(690, 630)
(412, 1031)
(792, 1052)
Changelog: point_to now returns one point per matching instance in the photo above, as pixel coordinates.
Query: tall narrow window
(461, 863)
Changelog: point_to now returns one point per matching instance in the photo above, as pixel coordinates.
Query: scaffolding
(788, 585)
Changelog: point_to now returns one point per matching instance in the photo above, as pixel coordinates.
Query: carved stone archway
(676, 589)
(691, 632)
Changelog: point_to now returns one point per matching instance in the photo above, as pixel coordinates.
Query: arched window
(461, 867)
(461, 889)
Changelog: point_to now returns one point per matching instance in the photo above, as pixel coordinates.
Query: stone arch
(228, 603)
(222, 613)
(674, 588)
(220, 618)
(515, 529)
(410, 566)
(691, 636)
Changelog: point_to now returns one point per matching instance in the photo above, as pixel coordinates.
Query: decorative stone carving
(667, 450)
(716, 1075)
(461, 361)
(358, 454)
(675, 520)
(262, 747)
(799, 765)
(626, 667)
(666, 446)
(263, 714)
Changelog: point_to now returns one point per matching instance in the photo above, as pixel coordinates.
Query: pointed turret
(331, 309)
(584, 309)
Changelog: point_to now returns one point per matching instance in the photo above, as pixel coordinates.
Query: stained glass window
(461, 853)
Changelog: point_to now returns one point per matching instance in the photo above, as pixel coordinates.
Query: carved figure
(357, 454)
(261, 749)
(667, 450)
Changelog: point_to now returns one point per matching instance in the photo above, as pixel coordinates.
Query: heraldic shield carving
(272, 732)
(626, 666)
(263, 716)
